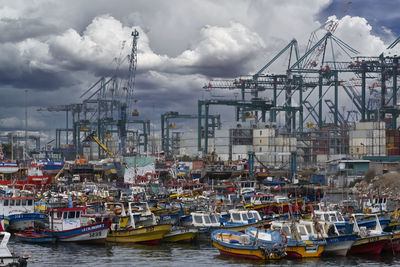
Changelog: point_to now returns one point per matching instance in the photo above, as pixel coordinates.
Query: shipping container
(370, 125)
(269, 132)
(222, 149)
(261, 141)
(221, 141)
(241, 149)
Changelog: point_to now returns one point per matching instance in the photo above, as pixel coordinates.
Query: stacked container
(368, 138)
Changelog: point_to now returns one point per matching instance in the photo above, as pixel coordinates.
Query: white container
(322, 158)
(221, 141)
(263, 132)
(370, 125)
(261, 141)
(241, 149)
(378, 133)
(359, 142)
(222, 149)
(360, 134)
(222, 133)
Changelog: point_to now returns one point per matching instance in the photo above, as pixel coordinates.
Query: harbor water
(195, 254)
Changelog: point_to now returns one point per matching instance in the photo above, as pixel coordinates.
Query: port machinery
(107, 108)
(316, 78)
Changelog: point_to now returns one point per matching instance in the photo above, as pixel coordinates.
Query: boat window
(58, 215)
(302, 230)
(23, 202)
(198, 219)
(244, 216)
(340, 217)
(235, 216)
(78, 214)
(207, 219)
(12, 202)
(309, 230)
(333, 218)
(65, 215)
(319, 217)
(250, 215)
(18, 202)
(5, 202)
(30, 202)
(326, 217)
(213, 219)
(286, 230)
(71, 215)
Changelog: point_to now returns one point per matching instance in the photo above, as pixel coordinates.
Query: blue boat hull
(96, 233)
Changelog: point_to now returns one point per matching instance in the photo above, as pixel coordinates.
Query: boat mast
(26, 126)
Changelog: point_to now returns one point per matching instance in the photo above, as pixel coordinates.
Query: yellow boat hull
(256, 254)
(183, 237)
(147, 235)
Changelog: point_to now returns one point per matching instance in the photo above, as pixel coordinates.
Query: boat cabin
(244, 216)
(247, 187)
(374, 204)
(281, 199)
(329, 216)
(205, 219)
(16, 205)
(261, 199)
(65, 218)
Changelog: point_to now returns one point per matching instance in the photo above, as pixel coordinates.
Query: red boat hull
(151, 242)
(393, 245)
(371, 248)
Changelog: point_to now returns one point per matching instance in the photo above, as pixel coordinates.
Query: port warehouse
(369, 83)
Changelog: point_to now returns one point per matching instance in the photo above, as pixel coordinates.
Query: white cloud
(222, 46)
(357, 32)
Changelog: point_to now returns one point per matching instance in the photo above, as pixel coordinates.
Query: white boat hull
(94, 237)
(338, 249)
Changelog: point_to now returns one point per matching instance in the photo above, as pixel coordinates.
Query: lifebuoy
(283, 234)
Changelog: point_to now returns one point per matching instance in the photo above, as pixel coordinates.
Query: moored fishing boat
(69, 225)
(369, 242)
(237, 244)
(336, 243)
(180, 234)
(136, 224)
(296, 247)
(31, 236)
(19, 212)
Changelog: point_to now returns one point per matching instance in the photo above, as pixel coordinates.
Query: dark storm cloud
(59, 48)
(16, 30)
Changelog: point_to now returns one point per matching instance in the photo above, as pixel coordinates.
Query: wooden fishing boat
(180, 234)
(336, 243)
(295, 247)
(135, 224)
(369, 242)
(150, 235)
(237, 244)
(69, 225)
(30, 236)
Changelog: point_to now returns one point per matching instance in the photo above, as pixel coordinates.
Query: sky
(57, 49)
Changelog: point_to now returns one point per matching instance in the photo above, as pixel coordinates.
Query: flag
(2, 228)
(277, 187)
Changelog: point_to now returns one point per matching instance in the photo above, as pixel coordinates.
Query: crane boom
(92, 137)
